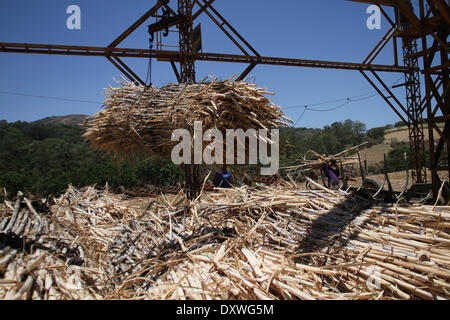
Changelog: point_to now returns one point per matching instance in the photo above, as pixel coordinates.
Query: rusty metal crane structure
(430, 23)
(433, 21)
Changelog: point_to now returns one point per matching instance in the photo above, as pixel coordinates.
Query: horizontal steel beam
(175, 56)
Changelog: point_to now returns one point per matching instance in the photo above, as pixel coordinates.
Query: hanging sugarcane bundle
(139, 119)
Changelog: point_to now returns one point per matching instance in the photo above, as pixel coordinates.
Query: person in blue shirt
(222, 179)
(332, 173)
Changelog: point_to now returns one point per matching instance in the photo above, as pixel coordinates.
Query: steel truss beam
(438, 89)
(434, 22)
(412, 83)
(176, 56)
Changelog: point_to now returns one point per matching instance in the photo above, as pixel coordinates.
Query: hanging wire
(296, 122)
(316, 110)
(149, 79)
(48, 97)
(360, 97)
(332, 109)
(348, 100)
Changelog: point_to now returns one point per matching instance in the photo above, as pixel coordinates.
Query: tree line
(43, 159)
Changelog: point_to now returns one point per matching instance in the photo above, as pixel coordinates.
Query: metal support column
(187, 62)
(413, 101)
(187, 75)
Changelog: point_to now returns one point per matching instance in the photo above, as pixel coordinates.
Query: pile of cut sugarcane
(320, 159)
(140, 119)
(269, 243)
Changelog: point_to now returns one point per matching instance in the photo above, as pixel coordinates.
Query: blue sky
(332, 30)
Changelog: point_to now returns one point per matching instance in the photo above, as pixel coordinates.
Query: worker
(332, 173)
(223, 179)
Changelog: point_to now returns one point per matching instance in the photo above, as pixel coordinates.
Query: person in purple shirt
(332, 173)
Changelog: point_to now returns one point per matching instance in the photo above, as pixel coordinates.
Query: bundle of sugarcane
(320, 159)
(139, 119)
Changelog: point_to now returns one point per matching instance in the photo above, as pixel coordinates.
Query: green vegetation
(43, 158)
(395, 159)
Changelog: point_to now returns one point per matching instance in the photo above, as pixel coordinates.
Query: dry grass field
(375, 153)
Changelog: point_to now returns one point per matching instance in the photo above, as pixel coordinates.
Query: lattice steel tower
(413, 105)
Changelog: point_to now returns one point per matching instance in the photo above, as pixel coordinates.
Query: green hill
(73, 119)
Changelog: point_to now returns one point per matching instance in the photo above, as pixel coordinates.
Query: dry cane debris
(270, 243)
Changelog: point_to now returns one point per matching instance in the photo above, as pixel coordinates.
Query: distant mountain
(72, 119)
